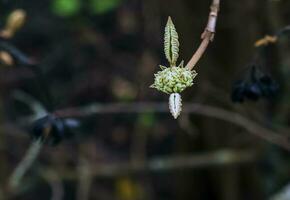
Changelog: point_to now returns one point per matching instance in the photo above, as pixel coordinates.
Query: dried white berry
(175, 104)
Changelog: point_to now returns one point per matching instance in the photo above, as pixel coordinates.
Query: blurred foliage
(103, 6)
(67, 8)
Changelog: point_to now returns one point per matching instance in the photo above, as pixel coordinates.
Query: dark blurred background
(90, 53)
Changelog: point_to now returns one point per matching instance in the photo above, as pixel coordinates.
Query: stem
(25, 164)
(257, 129)
(218, 158)
(207, 36)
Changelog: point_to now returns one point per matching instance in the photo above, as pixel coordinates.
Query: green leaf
(171, 43)
(103, 6)
(66, 8)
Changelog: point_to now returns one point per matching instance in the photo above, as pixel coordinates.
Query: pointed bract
(162, 67)
(171, 43)
(181, 64)
(175, 104)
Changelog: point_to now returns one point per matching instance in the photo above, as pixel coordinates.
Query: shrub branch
(208, 34)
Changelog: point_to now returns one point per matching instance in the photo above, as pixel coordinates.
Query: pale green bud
(173, 79)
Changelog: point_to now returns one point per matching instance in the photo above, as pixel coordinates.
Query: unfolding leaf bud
(173, 79)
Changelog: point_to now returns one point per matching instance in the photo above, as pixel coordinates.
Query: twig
(55, 182)
(20, 57)
(283, 194)
(85, 181)
(195, 108)
(162, 164)
(208, 34)
(25, 164)
(36, 107)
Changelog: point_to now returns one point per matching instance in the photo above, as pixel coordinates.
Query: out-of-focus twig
(20, 57)
(271, 39)
(208, 34)
(162, 164)
(284, 194)
(194, 108)
(36, 107)
(25, 164)
(55, 183)
(14, 22)
(85, 180)
(266, 40)
(6, 59)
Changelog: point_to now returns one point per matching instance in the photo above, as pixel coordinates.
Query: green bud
(173, 79)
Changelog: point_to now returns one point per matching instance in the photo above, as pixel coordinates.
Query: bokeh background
(98, 57)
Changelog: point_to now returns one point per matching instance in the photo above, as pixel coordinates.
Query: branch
(25, 164)
(20, 57)
(208, 34)
(85, 179)
(55, 182)
(194, 108)
(162, 164)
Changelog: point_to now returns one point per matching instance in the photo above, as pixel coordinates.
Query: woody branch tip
(208, 34)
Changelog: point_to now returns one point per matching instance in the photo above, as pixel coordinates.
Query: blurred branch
(25, 164)
(208, 34)
(20, 57)
(85, 181)
(36, 107)
(283, 194)
(55, 182)
(194, 108)
(15, 21)
(201, 160)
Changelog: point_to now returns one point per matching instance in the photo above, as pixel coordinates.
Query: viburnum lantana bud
(174, 79)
